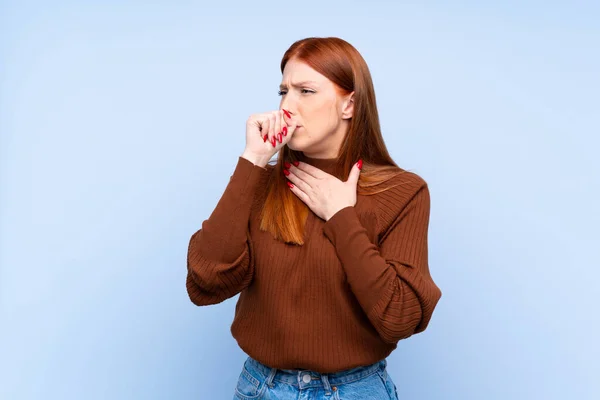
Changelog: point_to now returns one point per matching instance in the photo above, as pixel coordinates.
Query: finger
(298, 181)
(287, 118)
(355, 173)
(302, 176)
(298, 192)
(272, 132)
(289, 121)
(311, 171)
(278, 126)
(265, 130)
(284, 128)
(287, 114)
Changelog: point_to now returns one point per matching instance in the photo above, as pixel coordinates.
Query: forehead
(296, 71)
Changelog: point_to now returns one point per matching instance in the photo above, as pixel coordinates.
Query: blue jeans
(258, 381)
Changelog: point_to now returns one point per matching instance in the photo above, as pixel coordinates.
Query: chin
(293, 147)
(296, 144)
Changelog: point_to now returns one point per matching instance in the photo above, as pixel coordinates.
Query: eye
(304, 91)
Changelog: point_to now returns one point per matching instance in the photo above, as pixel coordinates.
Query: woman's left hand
(323, 193)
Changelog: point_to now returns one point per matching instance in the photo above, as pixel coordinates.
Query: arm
(219, 257)
(392, 284)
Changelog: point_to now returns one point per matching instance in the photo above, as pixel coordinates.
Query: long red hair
(283, 214)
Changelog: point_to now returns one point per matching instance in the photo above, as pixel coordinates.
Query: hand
(266, 133)
(323, 193)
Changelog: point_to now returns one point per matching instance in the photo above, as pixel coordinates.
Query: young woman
(327, 246)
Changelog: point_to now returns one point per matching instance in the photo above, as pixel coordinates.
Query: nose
(285, 105)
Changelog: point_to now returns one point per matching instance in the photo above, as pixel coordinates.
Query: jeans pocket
(393, 385)
(250, 384)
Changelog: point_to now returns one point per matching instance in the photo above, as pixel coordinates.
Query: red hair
(283, 213)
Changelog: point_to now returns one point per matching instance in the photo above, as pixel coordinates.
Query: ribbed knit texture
(359, 284)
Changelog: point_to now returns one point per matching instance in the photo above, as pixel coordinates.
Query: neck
(325, 164)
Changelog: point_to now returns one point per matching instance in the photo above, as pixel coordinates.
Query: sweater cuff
(245, 170)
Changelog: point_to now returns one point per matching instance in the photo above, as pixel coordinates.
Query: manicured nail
(287, 164)
(296, 163)
(290, 185)
(287, 114)
(265, 138)
(286, 172)
(273, 141)
(359, 163)
(279, 137)
(284, 131)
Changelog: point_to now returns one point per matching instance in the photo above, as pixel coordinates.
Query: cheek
(319, 116)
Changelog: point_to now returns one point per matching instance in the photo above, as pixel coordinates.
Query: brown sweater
(358, 285)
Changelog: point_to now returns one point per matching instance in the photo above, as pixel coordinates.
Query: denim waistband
(297, 376)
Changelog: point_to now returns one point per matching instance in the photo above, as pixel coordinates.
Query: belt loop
(326, 384)
(270, 378)
(384, 369)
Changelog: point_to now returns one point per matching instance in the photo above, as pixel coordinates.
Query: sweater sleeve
(392, 283)
(219, 256)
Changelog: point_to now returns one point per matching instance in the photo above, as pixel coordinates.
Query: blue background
(121, 123)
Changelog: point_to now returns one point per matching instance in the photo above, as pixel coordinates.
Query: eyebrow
(297, 84)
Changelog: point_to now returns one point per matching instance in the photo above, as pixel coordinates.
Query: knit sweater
(343, 299)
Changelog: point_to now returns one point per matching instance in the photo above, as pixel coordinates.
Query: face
(322, 114)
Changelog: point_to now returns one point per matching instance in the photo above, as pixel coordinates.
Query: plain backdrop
(121, 123)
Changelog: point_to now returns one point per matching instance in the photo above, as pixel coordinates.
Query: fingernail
(359, 163)
(296, 163)
(286, 172)
(287, 114)
(265, 138)
(285, 131)
(273, 141)
(290, 185)
(279, 137)
(287, 164)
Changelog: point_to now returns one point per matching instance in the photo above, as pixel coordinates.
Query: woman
(327, 247)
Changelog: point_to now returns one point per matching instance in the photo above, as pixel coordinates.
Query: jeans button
(306, 378)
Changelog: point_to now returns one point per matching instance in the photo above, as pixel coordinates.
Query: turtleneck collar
(325, 164)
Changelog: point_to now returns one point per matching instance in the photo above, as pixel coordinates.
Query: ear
(348, 109)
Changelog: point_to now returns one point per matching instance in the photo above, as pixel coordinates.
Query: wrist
(258, 160)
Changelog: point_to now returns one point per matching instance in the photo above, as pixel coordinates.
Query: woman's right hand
(266, 133)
